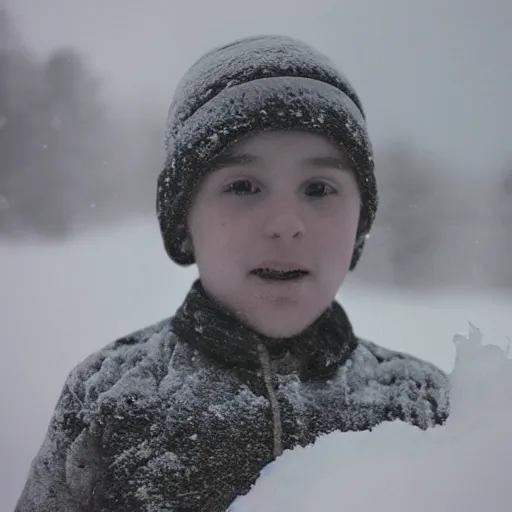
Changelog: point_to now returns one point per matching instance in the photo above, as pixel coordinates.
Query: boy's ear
(188, 246)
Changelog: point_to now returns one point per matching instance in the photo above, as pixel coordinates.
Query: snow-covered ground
(58, 303)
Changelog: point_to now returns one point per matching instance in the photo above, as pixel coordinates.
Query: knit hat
(253, 85)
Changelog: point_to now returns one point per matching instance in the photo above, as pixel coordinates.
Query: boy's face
(278, 200)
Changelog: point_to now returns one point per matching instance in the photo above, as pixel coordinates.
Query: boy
(269, 188)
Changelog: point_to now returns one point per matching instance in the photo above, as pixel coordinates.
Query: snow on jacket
(183, 415)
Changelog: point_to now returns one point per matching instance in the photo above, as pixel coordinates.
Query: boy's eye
(241, 188)
(319, 189)
(245, 188)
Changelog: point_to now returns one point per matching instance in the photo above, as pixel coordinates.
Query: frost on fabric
(235, 63)
(415, 389)
(140, 362)
(242, 105)
(464, 465)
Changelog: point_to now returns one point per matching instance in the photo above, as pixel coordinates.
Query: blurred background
(84, 92)
(85, 86)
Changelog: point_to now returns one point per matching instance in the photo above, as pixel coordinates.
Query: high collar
(218, 333)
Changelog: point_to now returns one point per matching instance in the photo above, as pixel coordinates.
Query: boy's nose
(286, 226)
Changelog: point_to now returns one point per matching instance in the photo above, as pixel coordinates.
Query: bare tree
(54, 139)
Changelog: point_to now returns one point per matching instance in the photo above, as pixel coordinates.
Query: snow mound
(462, 466)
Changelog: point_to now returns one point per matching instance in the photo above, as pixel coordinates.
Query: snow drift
(462, 466)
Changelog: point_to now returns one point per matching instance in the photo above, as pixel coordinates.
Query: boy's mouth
(271, 274)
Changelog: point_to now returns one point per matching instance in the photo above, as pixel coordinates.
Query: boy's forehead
(268, 140)
(308, 150)
(239, 158)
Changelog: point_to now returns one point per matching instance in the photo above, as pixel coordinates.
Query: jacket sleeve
(63, 474)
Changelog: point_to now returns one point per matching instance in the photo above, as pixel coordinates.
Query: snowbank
(463, 466)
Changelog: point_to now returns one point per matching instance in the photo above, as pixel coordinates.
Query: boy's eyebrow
(334, 162)
(228, 159)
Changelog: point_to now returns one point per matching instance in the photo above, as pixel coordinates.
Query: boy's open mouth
(270, 274)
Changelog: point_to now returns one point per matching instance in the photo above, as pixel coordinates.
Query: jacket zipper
(274, 404)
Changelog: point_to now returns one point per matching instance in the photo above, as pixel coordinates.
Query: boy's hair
(253, 85)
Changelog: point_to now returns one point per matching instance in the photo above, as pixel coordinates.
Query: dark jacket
(183, 415)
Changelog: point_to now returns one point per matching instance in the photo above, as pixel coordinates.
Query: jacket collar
(216, 332)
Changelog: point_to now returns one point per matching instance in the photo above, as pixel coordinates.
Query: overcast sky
(434, 72)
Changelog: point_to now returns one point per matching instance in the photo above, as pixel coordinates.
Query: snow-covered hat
(252, 85)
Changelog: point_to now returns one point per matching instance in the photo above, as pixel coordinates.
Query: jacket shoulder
(402, 363)
(69, 466)
(146, 350)
(422, 389)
